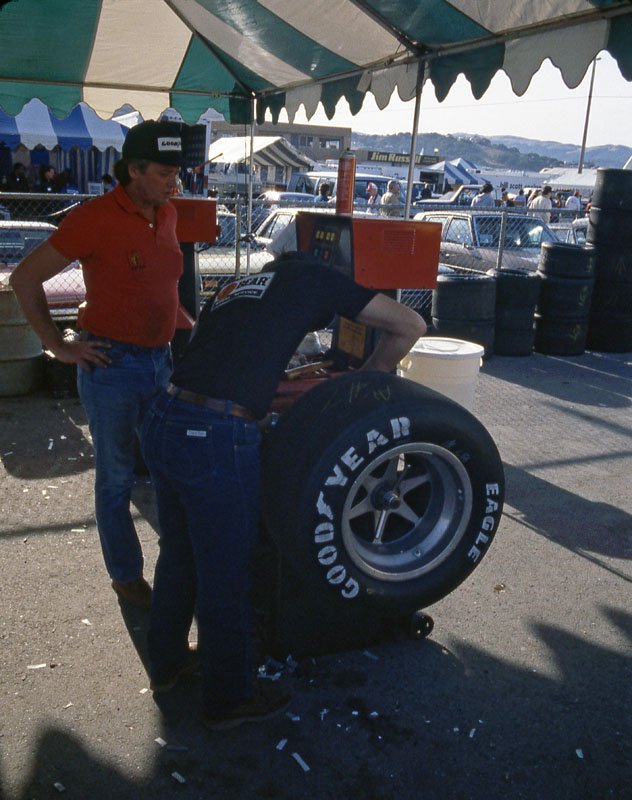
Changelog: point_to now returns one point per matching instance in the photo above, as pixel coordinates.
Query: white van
(310, 182)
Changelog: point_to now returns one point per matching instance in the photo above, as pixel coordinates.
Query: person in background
(323, 196)
(17, 180)
(373, 197)
(484, 198)
(426, 192)
(505, 200)
(46, 182)
(108, 182)
(543, 203)
(126, 241)
(573, 202)
(390, 202)
(201, 443)
(520, 199)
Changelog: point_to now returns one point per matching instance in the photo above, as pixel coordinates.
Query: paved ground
(524, 689)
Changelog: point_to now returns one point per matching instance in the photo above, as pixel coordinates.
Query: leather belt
(223, 406)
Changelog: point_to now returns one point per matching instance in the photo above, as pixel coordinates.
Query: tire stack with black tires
(517, 293)
(566, 274)
(464, 307)
(610, 232)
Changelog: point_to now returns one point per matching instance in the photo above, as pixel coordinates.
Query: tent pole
(251, 179)
(421, 64)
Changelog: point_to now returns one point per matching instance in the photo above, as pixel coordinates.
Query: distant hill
(505, 152)
(608, 155)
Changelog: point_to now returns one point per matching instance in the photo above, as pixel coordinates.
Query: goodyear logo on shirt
(253, 288)
(169, 143)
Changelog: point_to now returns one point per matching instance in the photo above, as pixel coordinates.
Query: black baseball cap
(155, 141)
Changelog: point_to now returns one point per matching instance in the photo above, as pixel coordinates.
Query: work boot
(264, 704)
(190, 666)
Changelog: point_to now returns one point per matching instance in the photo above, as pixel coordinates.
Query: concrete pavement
(523, 690)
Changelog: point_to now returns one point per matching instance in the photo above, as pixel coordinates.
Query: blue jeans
(115, 399)
(205, 470)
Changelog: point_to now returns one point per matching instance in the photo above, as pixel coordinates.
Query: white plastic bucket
(449, 366)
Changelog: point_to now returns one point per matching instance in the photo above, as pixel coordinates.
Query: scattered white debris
(50, 444)
(77, 530)
(456, 730)
(86, 622)
(368, 654)
(59, 787)
(322, 713)
(52, 487)
(144, 690)
(10, 453)
(68, 705)
(36, 666)
(354, 713)
(374, 714)
(580, 753)
(293, 717)
(24, 490)
(281, 744)
(180, 778)
(300, 761)
(472, 732)
(160, 741)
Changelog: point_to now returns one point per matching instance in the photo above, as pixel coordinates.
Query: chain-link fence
(472, 240)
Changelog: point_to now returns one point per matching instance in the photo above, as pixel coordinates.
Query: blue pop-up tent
(36, 125)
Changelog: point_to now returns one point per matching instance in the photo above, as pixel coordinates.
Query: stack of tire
(610, 232)
(566, 274)
(517, 293)
(464, 307)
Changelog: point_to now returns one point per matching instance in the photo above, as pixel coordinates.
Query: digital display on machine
(330, 245)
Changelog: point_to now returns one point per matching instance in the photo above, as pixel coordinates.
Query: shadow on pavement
(565, 517)
(43, 439)
(460, 723)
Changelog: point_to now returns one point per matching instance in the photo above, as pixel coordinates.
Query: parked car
(470, 238)
(310, 183)
(461, 196)
(65, 291)
(571, 232)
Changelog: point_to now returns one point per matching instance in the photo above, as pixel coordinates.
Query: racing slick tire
(380, 493)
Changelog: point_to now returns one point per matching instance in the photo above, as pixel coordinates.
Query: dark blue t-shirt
(245, 339)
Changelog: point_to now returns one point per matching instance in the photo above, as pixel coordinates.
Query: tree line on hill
(515, 153)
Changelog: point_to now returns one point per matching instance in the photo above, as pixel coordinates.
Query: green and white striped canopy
(192, 54)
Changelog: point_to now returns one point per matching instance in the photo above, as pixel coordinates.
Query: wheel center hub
(385, 497)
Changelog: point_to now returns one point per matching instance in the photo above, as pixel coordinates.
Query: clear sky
(548, 110)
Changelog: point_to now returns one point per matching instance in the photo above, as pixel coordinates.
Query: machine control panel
(330, 243)
(378, 252)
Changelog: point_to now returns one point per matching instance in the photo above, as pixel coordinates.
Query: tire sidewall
(311, 536)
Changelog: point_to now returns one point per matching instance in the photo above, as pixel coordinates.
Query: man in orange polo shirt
(126, 241)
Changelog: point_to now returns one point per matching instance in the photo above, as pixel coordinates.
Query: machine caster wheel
(420, 625)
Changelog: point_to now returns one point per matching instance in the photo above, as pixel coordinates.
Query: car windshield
(17, 242)
(521, 232)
